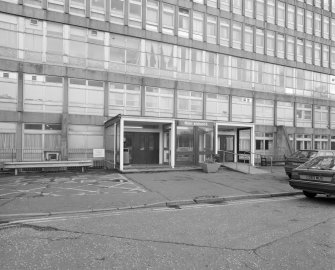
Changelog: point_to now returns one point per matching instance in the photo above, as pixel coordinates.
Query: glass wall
(159, 102)
(189, 104)
(241, 109)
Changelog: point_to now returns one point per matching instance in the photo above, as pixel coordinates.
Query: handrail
(244, 160)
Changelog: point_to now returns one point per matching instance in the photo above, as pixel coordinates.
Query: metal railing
(246, 158)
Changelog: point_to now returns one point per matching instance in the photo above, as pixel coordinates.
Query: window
(135, 13)
(317, 3)
(183, 22)
(117, 52)
(98, 9)
(237, 35)
(224, 32)
(211, 29)
(317, 54)
(217, 107)
(304, 115)
(152, 15)
(117, 11)
(224, 69)
(280, 46)
(249, 8)
(95, 49)
(56, 5)
(197, 62)
(39, 138)
(332, 122)
(241, 73)
(264, 141)
(333, 28)
(325, 56)
(270, 10)
(9, 36)
(325, 29)
(184, 60)
(225, 5)
(285, 113)
(309, 22)
(43, 93)
(241, 109)
(317, 24)
(304, 83)
(7, 141)
(300, 19)
(77, 46)
(124, 99)
(320, 116)
(33, 3)
(281, 14)
(308, 51)
(332, 57)
(8, 91)
(158, 102)
(326, 5)
(320, 85)
(198, 25)
(211, 66)
(260, 41)
(168, 19)
(82, 139)
(212, 3)
(54, 43)
(300, 50)
(86, 97)
(260, 10)
(248, 38)
(264, 112)
(33, 40)
(290, 48)
(78, 7)
(270, 43)
(321, 142)
(303, 142)
(237, 7)
(290, 16)
(189, 104)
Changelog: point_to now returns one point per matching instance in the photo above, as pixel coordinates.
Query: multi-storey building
(165, 81)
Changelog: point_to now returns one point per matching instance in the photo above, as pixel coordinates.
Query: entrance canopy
(235, 142)
(141, 141)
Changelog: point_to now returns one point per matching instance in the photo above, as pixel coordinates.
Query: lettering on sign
(195, 123)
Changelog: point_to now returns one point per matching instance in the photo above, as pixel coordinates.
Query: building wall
(210, 70)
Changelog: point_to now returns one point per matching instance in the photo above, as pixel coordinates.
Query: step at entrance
(244, 168)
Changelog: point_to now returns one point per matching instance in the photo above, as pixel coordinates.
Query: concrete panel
(36, 117)
(8, 116)
(75, 119)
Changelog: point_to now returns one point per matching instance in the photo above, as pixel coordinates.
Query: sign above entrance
(194, 123)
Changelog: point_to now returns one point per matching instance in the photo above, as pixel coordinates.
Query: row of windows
(73, 46)
(86, 97)
(224, 31)
(277, 12)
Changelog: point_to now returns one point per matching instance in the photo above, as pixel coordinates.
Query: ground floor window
(321, 142)
(303, 142)
(332, 143)
(7, 141)
(264, 141)
(41, 139)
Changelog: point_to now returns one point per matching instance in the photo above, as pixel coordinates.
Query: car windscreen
(320, 163)
(303, 154)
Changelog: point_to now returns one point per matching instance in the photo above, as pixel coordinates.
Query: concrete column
(65, 121)
(20, 81)
(142, 99)
(173, 144)
(160, 20)
(253, 109)
(294, 114)
(106, 98)
(175, 101)
(144, 14)
(204, 98)
(275, 113)
(19, 124)
(176, 11)
(204, 28)
(67, 6)
(121, 142)
(88, 8)
(126, 12)
(108, 10)
(230, 108)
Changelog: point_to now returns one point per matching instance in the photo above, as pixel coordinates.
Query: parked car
(315, 176)
(301, 156)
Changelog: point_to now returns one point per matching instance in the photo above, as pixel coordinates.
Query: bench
(47, 164)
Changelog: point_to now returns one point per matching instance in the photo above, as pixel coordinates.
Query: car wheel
(289, 175)
(309, 194)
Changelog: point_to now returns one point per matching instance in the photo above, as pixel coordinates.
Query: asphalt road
(276, 233)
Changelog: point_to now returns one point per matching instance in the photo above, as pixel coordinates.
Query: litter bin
(126, 156)
(263, 161)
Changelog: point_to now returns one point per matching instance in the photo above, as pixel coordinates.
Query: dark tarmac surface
(49, 193)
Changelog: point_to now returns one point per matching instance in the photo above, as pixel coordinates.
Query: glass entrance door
(227, 147)
(244, 144)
